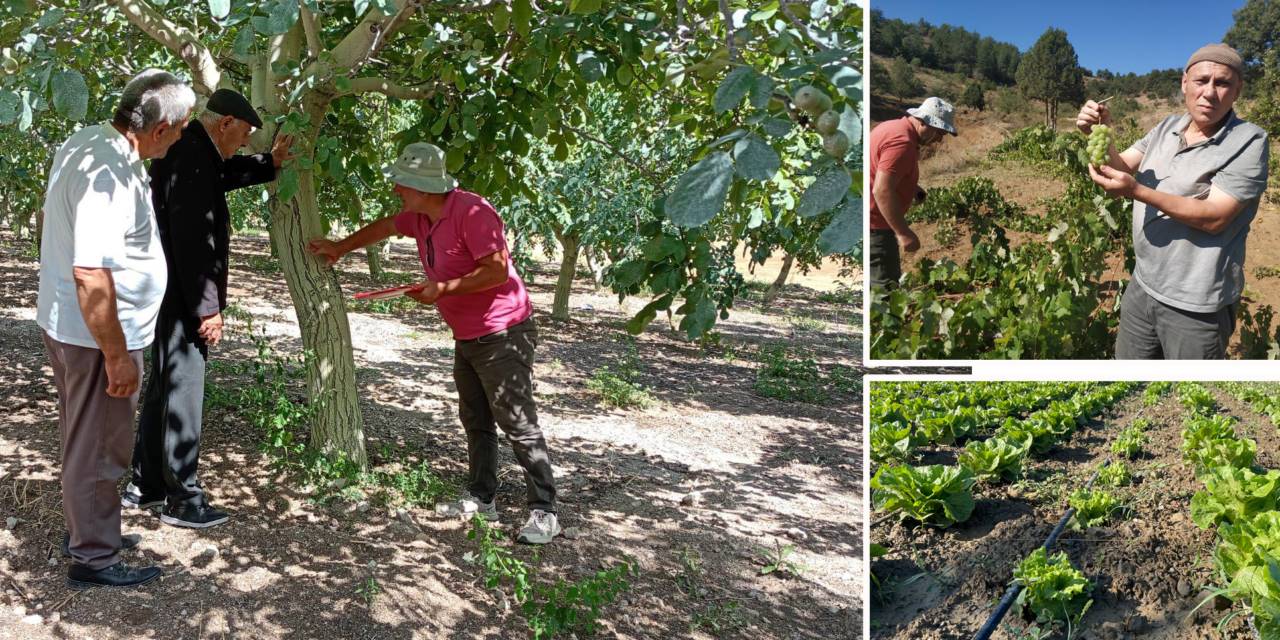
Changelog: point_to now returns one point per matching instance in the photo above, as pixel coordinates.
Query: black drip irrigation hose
(1014, 589)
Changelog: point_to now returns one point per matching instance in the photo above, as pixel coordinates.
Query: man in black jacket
(188, 190)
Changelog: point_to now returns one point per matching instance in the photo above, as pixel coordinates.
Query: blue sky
(1119, 35)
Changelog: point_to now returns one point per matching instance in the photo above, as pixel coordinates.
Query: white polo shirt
(98, 214)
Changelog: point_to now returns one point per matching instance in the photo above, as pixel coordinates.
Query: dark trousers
(885, 259)
(166, 449)
(1151, 330)
(94, 429)
(494, 375)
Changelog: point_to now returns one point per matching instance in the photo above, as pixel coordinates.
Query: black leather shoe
(193, 516)
(127, 542)
(116, 575)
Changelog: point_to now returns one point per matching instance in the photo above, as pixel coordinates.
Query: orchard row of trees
(661, 138)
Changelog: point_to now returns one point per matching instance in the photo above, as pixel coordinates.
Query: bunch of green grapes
(1099, 145)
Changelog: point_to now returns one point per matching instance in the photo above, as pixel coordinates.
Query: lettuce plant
(1052, 588)
(936, 494)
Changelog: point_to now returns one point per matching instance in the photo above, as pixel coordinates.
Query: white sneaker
(468, 506)
(540, 529)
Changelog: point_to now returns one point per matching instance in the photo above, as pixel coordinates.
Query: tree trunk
(322, 314)
(374, 255)
(570, 247)
(774, 289)
(39, 239)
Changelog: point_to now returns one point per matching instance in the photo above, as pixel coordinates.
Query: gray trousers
(166, 449)
(95, 430)
(885, 258)
(494, 375)
(1151, 330)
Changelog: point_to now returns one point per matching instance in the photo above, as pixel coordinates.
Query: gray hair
(151, 97)
(210, 118)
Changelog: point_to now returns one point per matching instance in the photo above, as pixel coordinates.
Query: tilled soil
(1150, 567)
(694, 489)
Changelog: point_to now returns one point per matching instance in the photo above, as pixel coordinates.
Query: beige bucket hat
(937, 113)
(421, 166)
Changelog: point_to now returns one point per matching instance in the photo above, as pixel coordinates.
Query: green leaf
(243, 43)
(585, 7)
(10, 107)
(70, 94)
(219, 9)
(761, 92)
(754, 159)
(522, 16)
(50, 18)
(778, 127)
(847, 80)
(636, 325)
(343, 83)
(590, 66)
(700, 320)
(851, 126)
(288, 186)
(734, 88)
(629, 273)
(700, 193)
(281, 16)
(844, 232)
(825, 192)
(501, 19)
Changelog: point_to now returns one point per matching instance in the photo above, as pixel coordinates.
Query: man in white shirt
(102, 278)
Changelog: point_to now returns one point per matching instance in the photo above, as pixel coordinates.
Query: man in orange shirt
(895, 177)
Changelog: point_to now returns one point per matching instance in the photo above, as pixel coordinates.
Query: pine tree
(1051, 73)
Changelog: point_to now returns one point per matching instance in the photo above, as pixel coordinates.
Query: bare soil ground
(1150, 569)
(967, 155)
(714, 471)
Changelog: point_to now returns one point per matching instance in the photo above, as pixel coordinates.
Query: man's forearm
(483, 278)
(96, 293)
(893, 210)
(1197, 213)
(376, 231)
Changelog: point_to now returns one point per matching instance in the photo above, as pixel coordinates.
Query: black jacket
(188, 190)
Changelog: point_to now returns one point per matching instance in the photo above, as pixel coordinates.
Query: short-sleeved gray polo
(1184, 267)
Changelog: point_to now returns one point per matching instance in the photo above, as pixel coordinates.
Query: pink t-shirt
(470, 229)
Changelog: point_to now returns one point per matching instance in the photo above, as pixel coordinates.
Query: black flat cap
(231, 103)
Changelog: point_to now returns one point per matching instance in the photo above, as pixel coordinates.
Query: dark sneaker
(134, 498)
(127, 542)
(193, 516)
(116, 575)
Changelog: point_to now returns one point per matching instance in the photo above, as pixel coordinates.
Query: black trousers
(885, 259)
(494, 375)
(166, 450)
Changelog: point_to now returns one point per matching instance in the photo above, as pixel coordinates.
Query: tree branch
(648, 173)
(364, 40)
(311, 26)
(728, 30)
(204, 69)
(394, 89)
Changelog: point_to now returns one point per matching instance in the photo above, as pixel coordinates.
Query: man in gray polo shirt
(1195, 180)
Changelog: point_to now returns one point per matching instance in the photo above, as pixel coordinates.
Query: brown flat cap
(1219, 53)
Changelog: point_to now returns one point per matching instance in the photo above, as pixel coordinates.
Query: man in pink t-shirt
(471, 280)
